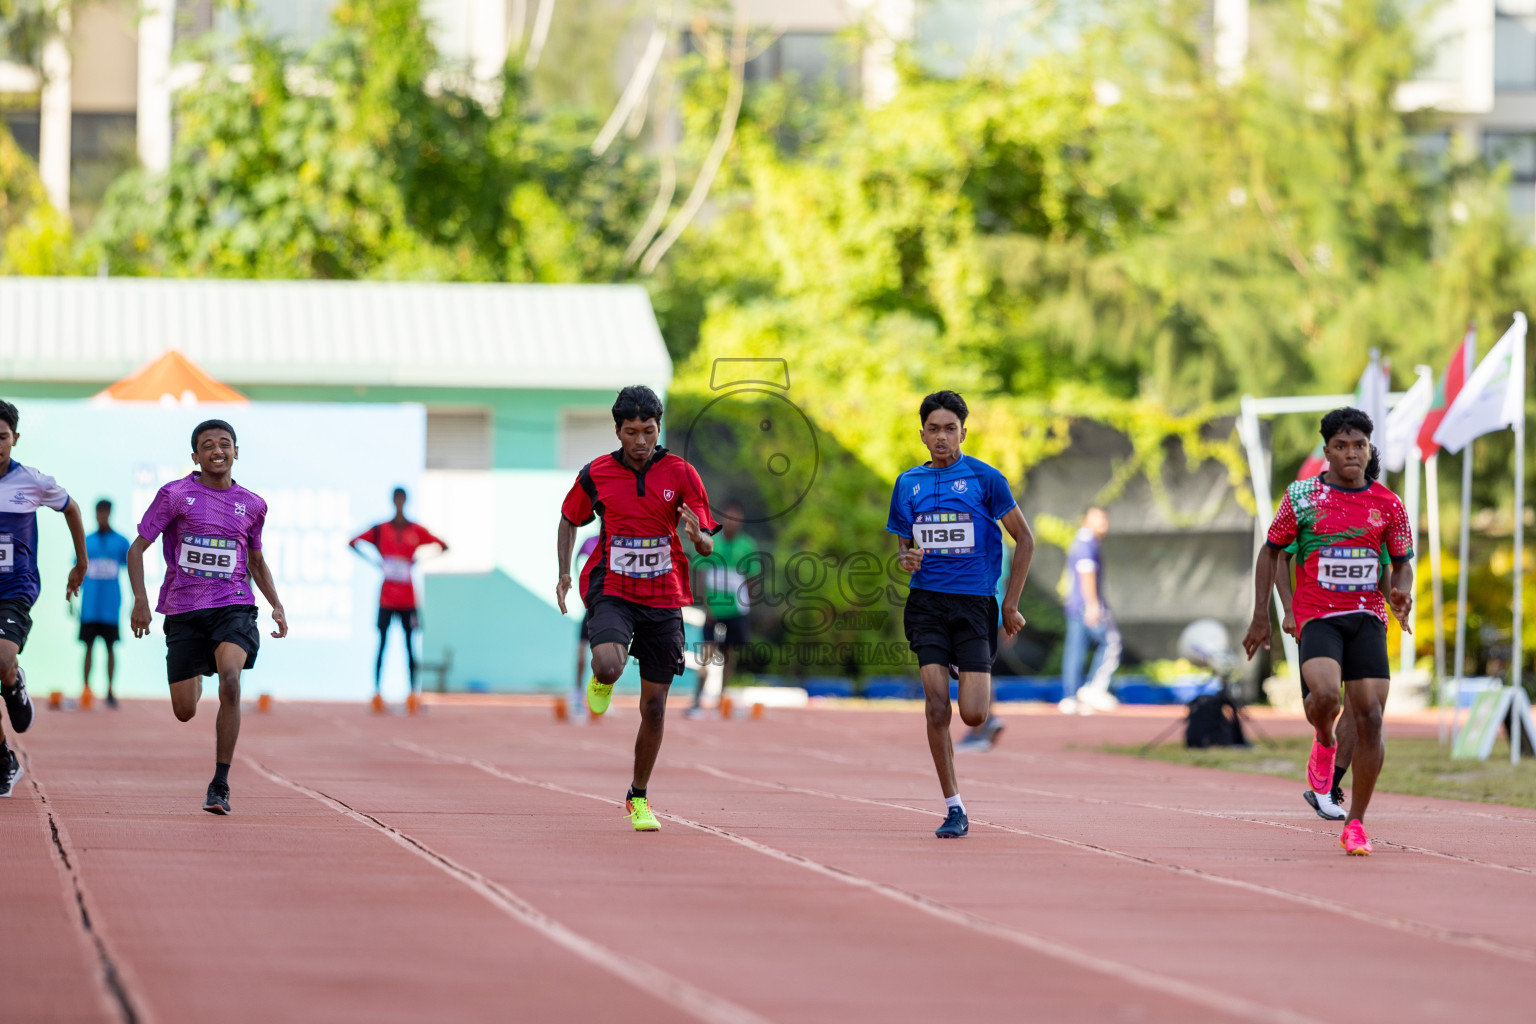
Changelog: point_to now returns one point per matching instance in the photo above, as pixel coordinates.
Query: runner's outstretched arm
(1402, 594)
(77, 534)
(139, 619)
(1263, 579)
(1287, 594)
(261, 574)
(1023, 554)
(565, 543)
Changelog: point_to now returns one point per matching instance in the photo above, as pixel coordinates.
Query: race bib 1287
(640, 557)
(1348, 568)
(217, 557)
(945, 533)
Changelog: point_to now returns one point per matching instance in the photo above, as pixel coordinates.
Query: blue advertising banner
(326, 471)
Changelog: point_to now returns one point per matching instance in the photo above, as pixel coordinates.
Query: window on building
(809, 59)
(584, 435)
(1514, 49)
(458, 439)
(25, 127)
(1518, 150)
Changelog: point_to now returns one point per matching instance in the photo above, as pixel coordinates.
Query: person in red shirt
(636, 581)
(1341, 521)
(397, 542)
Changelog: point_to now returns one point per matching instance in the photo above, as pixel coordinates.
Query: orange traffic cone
(55, 700)
(378, 704)
(725, 707)
(87, 699)
(412, 703)
(757, 712)
(562, 710)
(264, 702)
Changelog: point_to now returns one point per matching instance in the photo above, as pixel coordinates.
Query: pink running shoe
(1320, 767)
(1354, 840)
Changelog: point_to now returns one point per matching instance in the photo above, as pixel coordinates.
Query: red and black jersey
(639, 554)
(1339, 536)
(397, 549)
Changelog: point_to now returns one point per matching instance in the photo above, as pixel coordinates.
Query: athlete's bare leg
(936, 699)
(653, 721)
(8, 669)
(608, 661)
(1322, 704)
(1347, 736)
(1367, 699)
(90, 646)
(185, 693)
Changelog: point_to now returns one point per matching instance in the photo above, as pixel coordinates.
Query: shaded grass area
(1414, 766)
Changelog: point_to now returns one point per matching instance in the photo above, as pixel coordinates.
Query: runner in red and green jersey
(397, 541)
(1341, 521)
(635, 583)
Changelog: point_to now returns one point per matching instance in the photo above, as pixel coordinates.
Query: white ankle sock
(955, 801)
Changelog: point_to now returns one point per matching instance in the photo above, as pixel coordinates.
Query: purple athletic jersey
(208, 534)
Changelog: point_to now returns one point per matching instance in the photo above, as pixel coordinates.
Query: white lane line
(1401, 924)
(1080, 798)
(1167, 985)
(651, 980)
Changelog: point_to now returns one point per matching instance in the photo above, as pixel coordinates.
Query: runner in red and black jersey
(1341, 521)
(397, 542)
(635, 583)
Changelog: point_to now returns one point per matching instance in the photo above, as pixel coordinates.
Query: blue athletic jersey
(22, 492)
(101, 597)
(952, 514)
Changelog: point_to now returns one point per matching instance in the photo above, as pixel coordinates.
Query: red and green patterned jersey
(1340, 535)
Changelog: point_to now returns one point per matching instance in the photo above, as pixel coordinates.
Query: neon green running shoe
(599, 696)
(641, 816)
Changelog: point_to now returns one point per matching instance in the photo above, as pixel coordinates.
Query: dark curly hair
(1350, 418)
(636, 402)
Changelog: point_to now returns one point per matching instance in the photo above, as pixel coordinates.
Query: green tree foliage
(361, 158)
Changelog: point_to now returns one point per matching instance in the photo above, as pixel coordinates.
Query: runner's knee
(938, 712)
(653, 710)
(183, 710)
(606, 667)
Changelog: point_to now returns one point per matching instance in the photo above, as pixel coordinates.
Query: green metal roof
(321, 332)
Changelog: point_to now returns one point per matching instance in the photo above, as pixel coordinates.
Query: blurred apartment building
(97, 96)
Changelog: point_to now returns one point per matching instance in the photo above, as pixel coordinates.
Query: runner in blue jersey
(101, 597)
(23, 491)
(944, 514)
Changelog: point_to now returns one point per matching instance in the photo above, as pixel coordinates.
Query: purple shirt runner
(208, 533)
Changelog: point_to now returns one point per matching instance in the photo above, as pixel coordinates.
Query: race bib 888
(1348, 569)
(216, 557)
(945, 533)
(640, 557)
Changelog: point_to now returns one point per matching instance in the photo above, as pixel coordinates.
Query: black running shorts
(191, 638)
(729, 632)
(951, 629)
(15, 621)
(653, 636)
(90, 632)
(409, 620)
(1357, 641)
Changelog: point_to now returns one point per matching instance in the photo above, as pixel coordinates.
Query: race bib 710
(640, 557)
(1348, 568)
(945, 533)
(217, 557)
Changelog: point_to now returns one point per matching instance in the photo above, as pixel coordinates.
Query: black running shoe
(218, 799)
(111, 702)
(17, 703)
(11, 772)
(956, 824)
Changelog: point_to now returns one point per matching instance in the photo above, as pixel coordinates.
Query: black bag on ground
(1213, 722)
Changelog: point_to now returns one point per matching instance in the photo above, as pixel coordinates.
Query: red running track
(472, 864)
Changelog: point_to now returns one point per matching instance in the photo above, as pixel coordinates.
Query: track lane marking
(651, 980)
(1167, 985)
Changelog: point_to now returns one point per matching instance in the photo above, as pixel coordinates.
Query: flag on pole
(1446, 390)
(1403, 422)
(1370, 398)
(1494, 396)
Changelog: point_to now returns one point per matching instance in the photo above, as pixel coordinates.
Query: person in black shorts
(944, 514)
(636, 581)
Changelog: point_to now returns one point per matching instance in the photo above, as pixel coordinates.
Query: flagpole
(1411, 489)
(1437, 589)
(1517, 661)
(1462, 551)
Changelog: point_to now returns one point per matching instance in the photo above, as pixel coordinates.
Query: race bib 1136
(217, 557)
(945, 533)
(1348, 569)
(640, 557)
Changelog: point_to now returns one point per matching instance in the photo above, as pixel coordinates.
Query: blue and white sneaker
(956, 825)
(17, 703)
